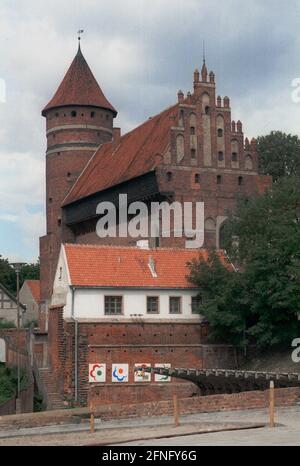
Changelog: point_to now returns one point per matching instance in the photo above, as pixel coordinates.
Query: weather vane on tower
(80, 32)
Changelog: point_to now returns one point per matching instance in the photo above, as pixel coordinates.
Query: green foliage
(8, 275)
(4, 325)
(265, 295)
(279, 155)
(38, 404)
(224, 299)
(31, 323)
(9, 382)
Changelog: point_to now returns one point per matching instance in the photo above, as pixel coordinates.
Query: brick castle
(192, 151)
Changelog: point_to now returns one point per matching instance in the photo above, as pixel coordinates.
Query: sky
(141, 53)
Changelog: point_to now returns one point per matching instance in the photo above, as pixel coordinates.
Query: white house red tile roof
(105, 266)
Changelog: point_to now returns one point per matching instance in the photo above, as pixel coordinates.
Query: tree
(223, 299)
(8, 275)
(265, 294)
(279, 155)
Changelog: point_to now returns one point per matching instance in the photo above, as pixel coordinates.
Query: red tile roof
(35, 289)
(138, 153)
(107, 266)
(79, 87)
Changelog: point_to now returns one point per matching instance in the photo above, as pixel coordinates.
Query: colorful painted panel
(119, 373)
(97, 373)
(162, 378)
(141, 375)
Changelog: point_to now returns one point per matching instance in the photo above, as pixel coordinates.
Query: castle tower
(79, 118)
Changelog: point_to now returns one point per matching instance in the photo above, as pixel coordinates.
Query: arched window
(248, 163)
(234, 152)
(197, 178)
(193, 130)
(220, 133)
(193, 154)
(221, 156)
(180, 148)
(207, 110)
(219, 179)
(241, 181)
(181, 118)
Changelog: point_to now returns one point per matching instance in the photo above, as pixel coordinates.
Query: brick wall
(179, 344)
(206, 404)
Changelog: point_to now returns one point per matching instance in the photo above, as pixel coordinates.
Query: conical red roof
(79, 87)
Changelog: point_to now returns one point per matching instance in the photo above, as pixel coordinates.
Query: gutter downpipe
(76, 346)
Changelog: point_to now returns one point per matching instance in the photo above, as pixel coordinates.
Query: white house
(105, 283)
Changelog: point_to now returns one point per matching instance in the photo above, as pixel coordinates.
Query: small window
(241, 181)
(92, 114)
(207, 109)
(68, 174)
(234, 157)
(113, 305)
(50, 200)
(53, 135)
(152, 305)
(219, 179)
(197, 178)
(193, 130)
(175, 305)
(169, 176)
(57, 114)
(221, 156)
(196, 303)
(220, 133)
(107, 117)
(193, 154)
(59, 222)
(73, 114)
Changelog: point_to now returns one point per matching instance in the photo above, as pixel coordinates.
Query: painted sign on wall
(97, 373)
(162, 378)
(119, 373)
(141, 375)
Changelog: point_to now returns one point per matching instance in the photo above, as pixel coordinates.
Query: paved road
(286, 434)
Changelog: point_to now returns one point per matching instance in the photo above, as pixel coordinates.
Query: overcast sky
(141, 53)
